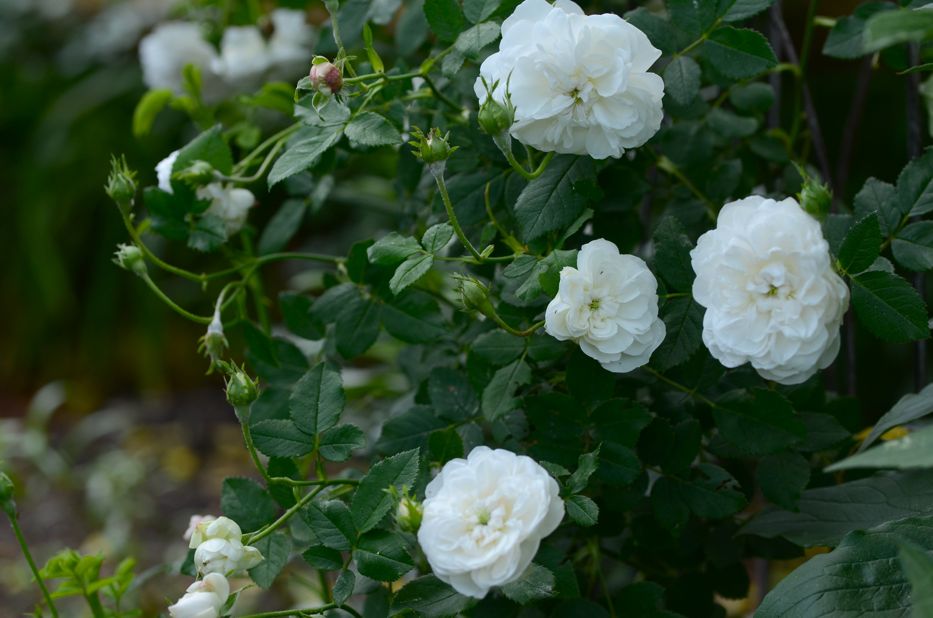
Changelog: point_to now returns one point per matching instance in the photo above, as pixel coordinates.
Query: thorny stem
(24, 547)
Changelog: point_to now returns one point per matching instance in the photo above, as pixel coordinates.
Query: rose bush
(589, 315)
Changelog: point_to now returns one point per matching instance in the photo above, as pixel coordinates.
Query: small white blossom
(244, 57)
(203, 599)
(166, 50)
(580, 83)
(228, 203)
(204, 527)
(225, 556)
(772, 298)
(194, 524)
(164, 171)
(484, 518)
(608, 304)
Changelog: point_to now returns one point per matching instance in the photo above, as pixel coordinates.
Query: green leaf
(281, 438)
(682, 79)
(371, 501)
(408, 430)
(915, 450)
(468, 45)
(915, 182)
(338, 443)
(729, 125)
(208, 234)
(445, 18)
(913, 246)
(909, 408)
(738, 53)
(618, 464)
(304, 151)
(753, 98)
(429, 596)
(826, 514)
(436, 237)
(413, 317)
(410, 271)
(536, 583)
(743, 9)
(861, 245)
(247, 503)
(880, 197)
(712, 493)
(862, 577)
(499, 394)
(381, 555)
(358, 326)
(281, 227)
(452, 394)
(582, 510)
(149, 106)
(918, 566)
(683, 318)
(317, 399)
(847, 37)
(889, 307)
(672, 255)
(586, 466)
(343, 587)
(296, 313)
(762, 424)
(783, 477)
(554, 200)
(480, 10)
(331, 523)
(888, 28)
(392, 249)
(276, 549)
(497, 347)
(369, 129)
(209, 146)
(323, 558)
(445, 445)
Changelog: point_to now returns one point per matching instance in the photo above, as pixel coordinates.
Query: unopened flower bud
(213, 343)
(475, 296)
(326, 77)
(7, 504)
(121, 184)
(241, 389)
(432, 147)
(197, 174)
(130, 257)
(816, 198)
(495, 118)
(409, 514)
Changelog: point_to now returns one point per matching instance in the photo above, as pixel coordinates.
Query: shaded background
(106, 416)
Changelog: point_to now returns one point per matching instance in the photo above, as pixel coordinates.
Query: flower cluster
(579, 83)
(609, 305)
(484, 517)
(230, 204)
(244, 61)
(771, 295)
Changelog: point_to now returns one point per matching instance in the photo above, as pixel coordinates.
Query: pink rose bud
(326, 77)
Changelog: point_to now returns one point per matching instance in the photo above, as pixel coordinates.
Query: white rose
(608, 304)
(203, 599)
(165, 51)
(772, 298)
(228, 203)
(484, 517)
(225, 557)
(164, 171)
(580, 84)
(243, 57)
(203, 528)
(291, 42)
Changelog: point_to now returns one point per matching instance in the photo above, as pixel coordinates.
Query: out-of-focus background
(107, 419)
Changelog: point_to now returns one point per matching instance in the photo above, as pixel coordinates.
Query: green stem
(682, 388)
(382, 76)
(199, 319)
(671, 168)
(284, 480)
(528, 332)
(263, 533)
(93, 601)
(508, 238)
(255, 286)
(273, 139)
(262, 168)
(518, 167)
(443, 98)
(801, 75)
(294, 612)
(24, 547)
(445, 197)
(254, 455)
(136, 236)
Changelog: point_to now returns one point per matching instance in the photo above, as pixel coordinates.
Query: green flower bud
(213, 343)
(6, 495)
(495, 118)
(432, 147)
(815, 196)
(130, 257)
(121, 184)
(409, 514)
(197, 174)
(241, 389)
(474, 296)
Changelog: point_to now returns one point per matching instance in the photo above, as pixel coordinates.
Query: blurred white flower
(290, 44)
(203, 599)
(166, 50)
(243, 57)
(580, 84)
(228, 203)
(164, 171)
(484, 518)
(608, 304)
(772, 298)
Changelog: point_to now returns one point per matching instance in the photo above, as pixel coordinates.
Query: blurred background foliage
(126, 432)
